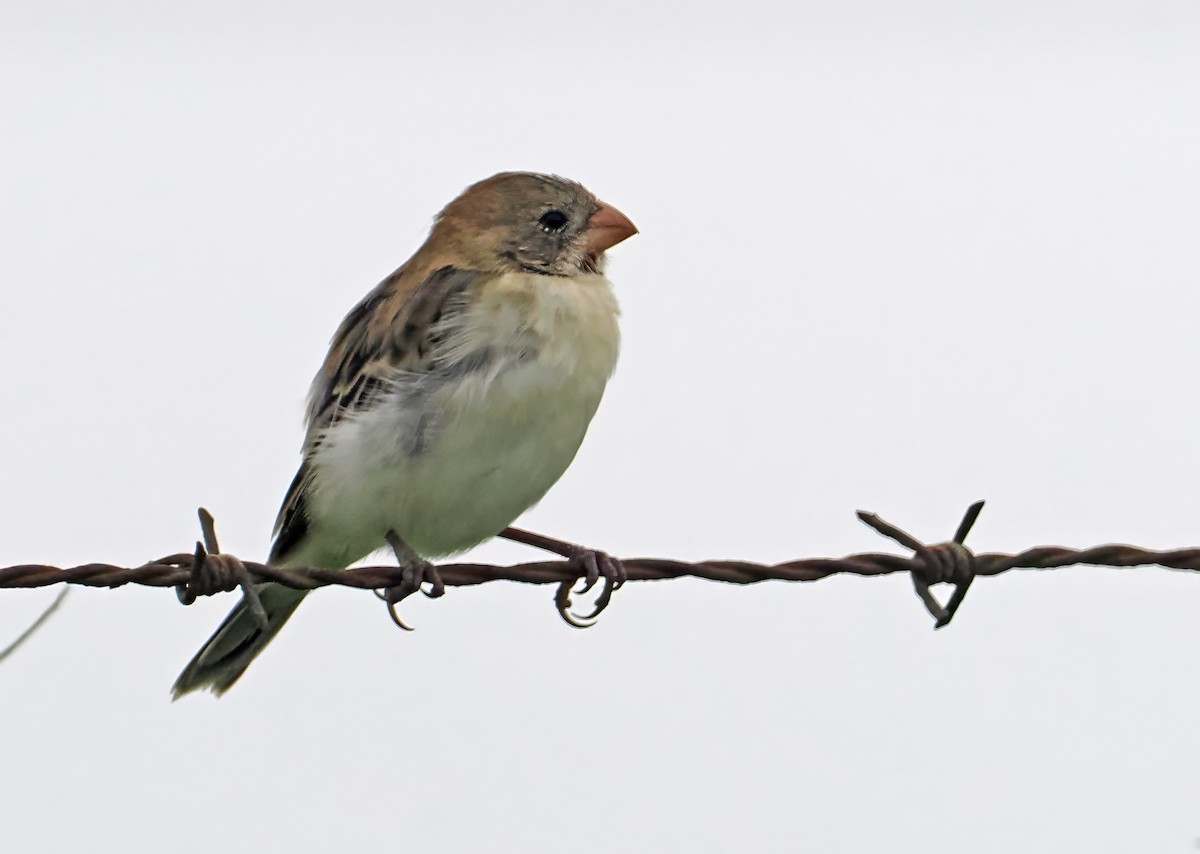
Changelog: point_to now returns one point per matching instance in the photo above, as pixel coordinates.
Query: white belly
(451, 467)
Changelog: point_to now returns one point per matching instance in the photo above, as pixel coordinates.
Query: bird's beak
(608, 227)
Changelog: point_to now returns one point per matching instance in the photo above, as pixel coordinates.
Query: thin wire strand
(37, 624)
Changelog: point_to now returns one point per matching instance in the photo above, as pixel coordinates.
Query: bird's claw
(593, 565)
(413, 575)
(596, 565)
(415, 571)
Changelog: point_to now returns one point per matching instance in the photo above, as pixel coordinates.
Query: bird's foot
(592, 565)
(415, 571)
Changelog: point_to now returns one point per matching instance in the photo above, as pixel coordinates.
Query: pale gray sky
(893, 256)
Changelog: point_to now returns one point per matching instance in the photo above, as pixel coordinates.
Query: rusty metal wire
(206, 571)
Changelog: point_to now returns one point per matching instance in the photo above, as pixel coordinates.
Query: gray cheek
(541, 253)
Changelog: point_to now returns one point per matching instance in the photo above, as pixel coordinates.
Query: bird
(453, 396)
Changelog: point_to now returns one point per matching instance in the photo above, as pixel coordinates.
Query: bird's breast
(568, 324)
(451, 458)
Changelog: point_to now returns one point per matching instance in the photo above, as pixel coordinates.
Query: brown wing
(389, 331)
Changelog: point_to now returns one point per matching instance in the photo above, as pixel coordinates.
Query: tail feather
(236, 643)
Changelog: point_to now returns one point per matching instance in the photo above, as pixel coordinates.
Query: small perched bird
(454, 395)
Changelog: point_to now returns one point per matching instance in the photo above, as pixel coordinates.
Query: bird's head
(522, 221)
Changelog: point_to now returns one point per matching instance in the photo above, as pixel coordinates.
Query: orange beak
(608, 227)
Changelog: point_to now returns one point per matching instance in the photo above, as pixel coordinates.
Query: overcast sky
(893, 256)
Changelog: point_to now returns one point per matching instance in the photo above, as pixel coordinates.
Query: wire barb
(212, 572)
(942, 563)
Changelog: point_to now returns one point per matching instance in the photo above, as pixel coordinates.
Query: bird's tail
(226, 655)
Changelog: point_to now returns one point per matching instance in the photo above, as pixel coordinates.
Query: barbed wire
(207, 570)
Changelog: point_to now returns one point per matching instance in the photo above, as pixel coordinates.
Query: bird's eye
(553, 221)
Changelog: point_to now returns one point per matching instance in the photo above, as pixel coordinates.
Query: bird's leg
(592, 563)
(415, 571)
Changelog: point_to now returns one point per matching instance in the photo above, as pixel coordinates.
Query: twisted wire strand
(207, 571)
(173, 570)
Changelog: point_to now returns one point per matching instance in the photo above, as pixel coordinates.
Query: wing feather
(391, 330)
